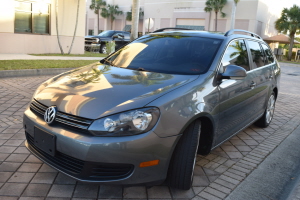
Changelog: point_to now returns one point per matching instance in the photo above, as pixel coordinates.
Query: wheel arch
(206, 134)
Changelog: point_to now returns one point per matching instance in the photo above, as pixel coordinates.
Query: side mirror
(234, 72)
(118, 36)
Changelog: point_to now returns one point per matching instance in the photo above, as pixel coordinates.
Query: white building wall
(34, 43)
(253, 15)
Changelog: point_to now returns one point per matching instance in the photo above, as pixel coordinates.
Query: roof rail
(231, 32)
(162, 29)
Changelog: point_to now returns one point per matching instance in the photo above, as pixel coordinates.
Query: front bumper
(109, 160)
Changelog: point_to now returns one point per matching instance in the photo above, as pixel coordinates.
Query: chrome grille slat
(72, 118)
(63, 118)
(71, 124)
(32, 106)
(41, 106)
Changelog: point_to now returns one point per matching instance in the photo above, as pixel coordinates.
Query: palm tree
(57, 34)
(216, 6)
(96, 5)
(208, 8)
(135, 19)
(110, 11)
(129, 14)
(76, 23)
(235, 2)
(289, 22)
(240, 53)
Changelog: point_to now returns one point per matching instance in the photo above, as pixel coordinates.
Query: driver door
(236, 108)
(119, 40)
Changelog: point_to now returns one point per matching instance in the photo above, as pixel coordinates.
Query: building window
(32, 17)
(91, 32)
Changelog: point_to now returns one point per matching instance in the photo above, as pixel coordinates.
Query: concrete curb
(32, 72)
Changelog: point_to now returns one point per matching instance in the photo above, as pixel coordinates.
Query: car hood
(98, 90)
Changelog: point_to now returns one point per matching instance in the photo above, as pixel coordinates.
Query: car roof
(191, 33)
(229, 35)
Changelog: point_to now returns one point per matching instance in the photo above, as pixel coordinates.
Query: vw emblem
(50, 114)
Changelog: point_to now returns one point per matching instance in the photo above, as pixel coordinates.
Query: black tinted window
(268, 53)
(257, 54)
(174, 54)
(236, 54)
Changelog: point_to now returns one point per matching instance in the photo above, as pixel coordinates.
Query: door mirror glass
(234, 72)
(118, 35)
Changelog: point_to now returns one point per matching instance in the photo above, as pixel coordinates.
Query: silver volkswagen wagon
(143, 113)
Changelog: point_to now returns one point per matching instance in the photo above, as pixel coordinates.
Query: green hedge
(287, 54)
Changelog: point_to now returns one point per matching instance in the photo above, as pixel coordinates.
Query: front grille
(90, 40)
(68, 163)
(90, 171)
(63, 118)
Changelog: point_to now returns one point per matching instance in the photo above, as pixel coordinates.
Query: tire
(267, 117)
(181, 168)
(103, 49)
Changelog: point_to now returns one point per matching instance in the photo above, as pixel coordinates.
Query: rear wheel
(267, 117)
(181, 168)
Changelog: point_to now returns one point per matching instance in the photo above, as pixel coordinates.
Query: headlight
(131, 122)
(97, 40)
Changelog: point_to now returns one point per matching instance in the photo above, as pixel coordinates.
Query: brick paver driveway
(22, 176)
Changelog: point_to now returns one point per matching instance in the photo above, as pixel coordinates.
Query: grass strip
(42, 64)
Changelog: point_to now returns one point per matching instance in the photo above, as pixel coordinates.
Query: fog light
(149, 163)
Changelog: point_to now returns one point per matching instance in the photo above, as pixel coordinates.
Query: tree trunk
(56, 16)
(216, 22)
(76, 23)
(135, 19)
(209, 19)
(97, 22)
(292, 36)
(111, 23)
(233, 15)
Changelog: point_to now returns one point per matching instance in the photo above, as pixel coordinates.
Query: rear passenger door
(263, 74)
(237, 99)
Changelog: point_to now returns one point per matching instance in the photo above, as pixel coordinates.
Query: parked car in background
(99, 41)
(143, 114)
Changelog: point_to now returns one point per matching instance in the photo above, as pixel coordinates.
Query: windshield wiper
(139, 69)
(108, 62)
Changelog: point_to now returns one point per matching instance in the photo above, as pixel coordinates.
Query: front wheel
(267, 117)
(181, 168)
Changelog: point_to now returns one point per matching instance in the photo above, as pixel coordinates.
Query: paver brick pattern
(22, 176)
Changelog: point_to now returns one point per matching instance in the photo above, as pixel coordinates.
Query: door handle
(252, 85)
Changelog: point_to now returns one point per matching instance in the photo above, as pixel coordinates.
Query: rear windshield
(172, 54)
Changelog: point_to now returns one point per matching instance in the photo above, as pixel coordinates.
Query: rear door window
(268, 53)
(236, 54)
(257, 54)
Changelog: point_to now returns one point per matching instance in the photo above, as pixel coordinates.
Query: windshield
(106, 33)
(172, 54)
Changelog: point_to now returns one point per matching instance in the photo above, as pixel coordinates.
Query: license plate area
(45, 141)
